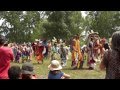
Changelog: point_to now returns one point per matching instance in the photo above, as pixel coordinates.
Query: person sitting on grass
(28, 71)
(14, 72)
(55, 71)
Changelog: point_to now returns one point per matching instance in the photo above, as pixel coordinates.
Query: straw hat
(55, 65)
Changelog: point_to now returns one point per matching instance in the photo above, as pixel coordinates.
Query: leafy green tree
(63, 24)
(104, 22)
(20, 26)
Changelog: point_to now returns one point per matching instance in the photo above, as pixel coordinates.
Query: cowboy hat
(55, 65)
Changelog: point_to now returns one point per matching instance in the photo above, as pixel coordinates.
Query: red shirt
(6, 55)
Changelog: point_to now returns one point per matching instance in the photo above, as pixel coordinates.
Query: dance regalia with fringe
(79, 53)
(38, 53)
(74, 53)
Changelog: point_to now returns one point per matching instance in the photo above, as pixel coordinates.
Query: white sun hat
(55, 65)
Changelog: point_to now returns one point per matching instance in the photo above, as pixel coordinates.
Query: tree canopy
(26, 26)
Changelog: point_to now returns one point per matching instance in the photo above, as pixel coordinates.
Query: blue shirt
(55, 76)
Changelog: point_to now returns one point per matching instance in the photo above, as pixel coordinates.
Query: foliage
(63, 24)
(104, 22)
(19, 26)
(25, 26)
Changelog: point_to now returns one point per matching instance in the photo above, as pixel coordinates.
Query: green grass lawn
(41, 70)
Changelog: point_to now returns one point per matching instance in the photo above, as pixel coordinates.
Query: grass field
(41, 70)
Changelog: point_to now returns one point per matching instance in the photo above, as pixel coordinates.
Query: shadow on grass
(76, 69)
(37, 63)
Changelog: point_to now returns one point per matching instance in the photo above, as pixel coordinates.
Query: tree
(102, 22)
(55, 25)
(63, 24)
(74, 22)
(21, 24)
(28, 25)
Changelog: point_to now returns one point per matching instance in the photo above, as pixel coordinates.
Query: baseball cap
(27, 68)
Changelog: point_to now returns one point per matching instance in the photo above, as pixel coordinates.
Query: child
(18, 55)
(29, 50)
(25, 55)
(63, 55)
(54, 51)
(55, 71)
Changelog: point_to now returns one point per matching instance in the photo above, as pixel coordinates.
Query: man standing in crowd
(6, 55)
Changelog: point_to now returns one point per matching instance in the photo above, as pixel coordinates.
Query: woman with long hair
(111, 58)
